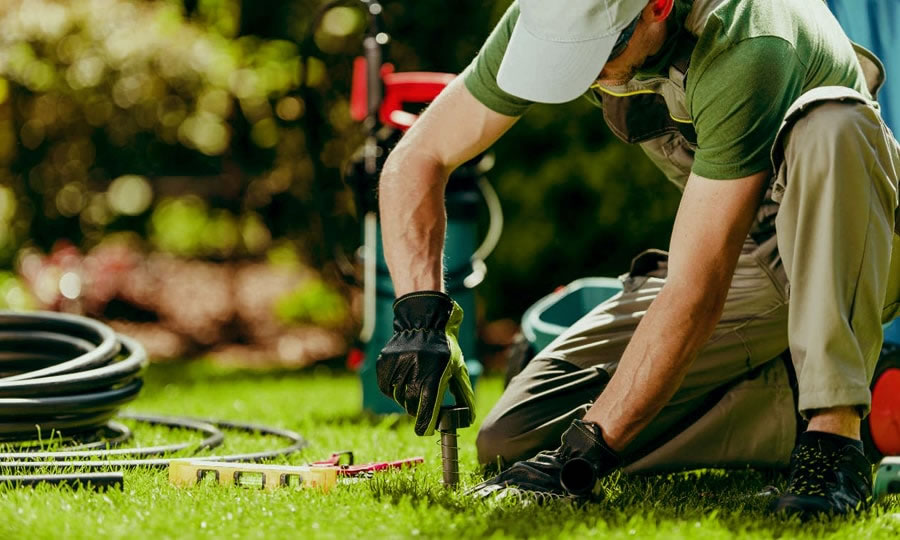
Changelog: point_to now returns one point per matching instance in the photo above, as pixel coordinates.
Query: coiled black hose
(63, 373)
(67, 376)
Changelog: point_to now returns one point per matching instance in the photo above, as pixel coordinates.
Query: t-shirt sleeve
(738, 103)
(480, 76)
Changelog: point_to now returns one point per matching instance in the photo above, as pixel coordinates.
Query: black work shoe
(829, 475)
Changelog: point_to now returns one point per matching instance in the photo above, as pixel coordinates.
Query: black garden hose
(63, 373)
(65, 377)
(214, 438)
(138, 458)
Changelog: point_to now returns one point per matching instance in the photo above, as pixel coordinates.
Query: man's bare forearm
(682, 318)
(453, 130)
(665, 343)
(413, 220)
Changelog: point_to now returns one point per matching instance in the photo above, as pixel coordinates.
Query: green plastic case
(887, 479)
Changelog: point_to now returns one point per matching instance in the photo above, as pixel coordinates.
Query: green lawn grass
(325, 408)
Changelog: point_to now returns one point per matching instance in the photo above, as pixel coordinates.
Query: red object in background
(399, 89)
(355, 359)
(359, 90)
(884, 420)
(350, 469)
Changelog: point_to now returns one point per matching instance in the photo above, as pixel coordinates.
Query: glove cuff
(586, 458)
(422, 294)
(422, 310)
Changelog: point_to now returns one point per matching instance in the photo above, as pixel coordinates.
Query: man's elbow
(408, 168)
(392, 165)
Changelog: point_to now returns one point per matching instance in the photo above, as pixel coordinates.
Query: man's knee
(537, 406)
(495, 442)
(510, 436)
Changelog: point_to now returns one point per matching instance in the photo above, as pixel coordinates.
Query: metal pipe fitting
(451, 419)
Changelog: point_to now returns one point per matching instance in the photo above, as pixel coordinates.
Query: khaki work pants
(821, 286)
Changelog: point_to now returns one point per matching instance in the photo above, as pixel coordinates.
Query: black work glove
(572, 470)
(423, 358)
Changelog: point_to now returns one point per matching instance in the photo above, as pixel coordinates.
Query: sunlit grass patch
(325, 409)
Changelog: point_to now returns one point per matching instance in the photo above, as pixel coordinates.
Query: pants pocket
(651, 263)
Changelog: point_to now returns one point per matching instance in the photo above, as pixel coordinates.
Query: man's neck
(659, 61)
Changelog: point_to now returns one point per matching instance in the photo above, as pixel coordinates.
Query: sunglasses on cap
(624, 37)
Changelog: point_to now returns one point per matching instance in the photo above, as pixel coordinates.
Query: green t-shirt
(752, 60)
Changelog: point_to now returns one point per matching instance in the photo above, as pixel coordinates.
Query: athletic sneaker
(829, 475)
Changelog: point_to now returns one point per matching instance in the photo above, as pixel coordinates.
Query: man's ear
(660, 9)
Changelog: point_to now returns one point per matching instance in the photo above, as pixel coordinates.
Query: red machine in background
(399, 89)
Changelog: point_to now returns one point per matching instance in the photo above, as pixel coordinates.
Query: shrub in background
(213, 128)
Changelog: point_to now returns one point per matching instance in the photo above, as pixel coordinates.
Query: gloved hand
(423, 358)
(572, 470)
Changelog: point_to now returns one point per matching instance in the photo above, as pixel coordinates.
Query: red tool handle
(354, 470)
(350, 469)
(334, 460)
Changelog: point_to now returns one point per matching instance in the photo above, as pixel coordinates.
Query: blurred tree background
(171, 138)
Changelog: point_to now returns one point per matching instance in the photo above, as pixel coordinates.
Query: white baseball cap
(557, 49)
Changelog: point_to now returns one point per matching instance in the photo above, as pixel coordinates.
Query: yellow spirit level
(190, 472)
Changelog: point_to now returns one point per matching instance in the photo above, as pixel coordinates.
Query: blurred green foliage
(315, 302)
(216, 127)
(135, 115)
(187, 226)
(13, 293)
